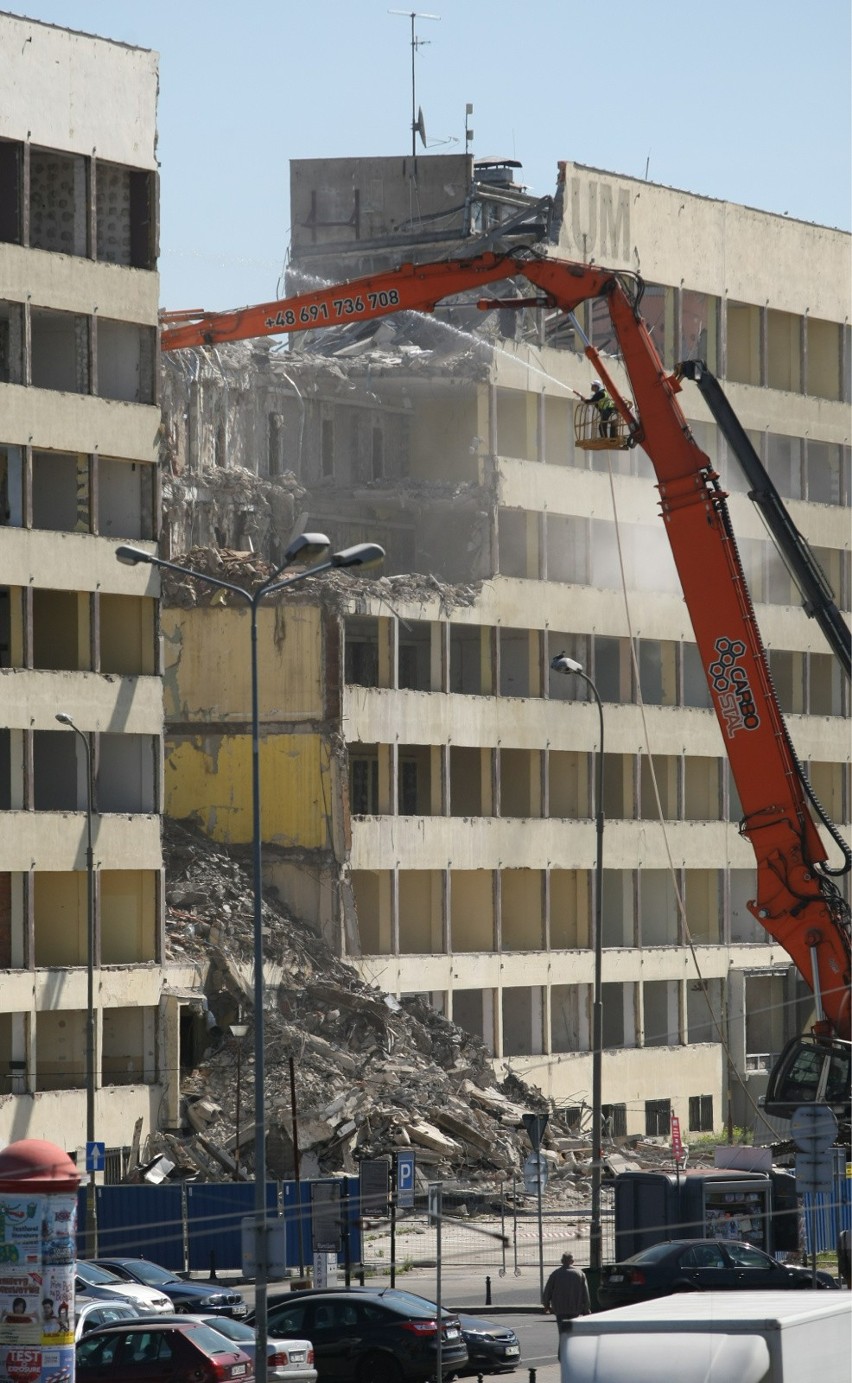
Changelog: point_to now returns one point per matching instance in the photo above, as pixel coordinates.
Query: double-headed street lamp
(91, 1245)
(562, 663)
(306, 546)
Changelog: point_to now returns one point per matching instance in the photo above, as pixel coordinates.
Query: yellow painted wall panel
(209, 778)
(207, 656)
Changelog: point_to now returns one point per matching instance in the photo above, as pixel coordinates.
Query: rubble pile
(371, 1073)
(249, 569)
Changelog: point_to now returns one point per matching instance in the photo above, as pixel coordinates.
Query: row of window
(464, 781)
(45, 915)
(514, 1021)
(594, 552)
(77, 631)
(75, 205)
(484, 660)
(55, 1043)
(66, 492)
(77, 353)
(501, 911)
(45, 771)
(658, 1117)
(801, 468)
(741, 342)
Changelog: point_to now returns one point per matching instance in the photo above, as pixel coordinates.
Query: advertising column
(38, 1226)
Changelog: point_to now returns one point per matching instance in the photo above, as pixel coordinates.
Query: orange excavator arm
(797, 902)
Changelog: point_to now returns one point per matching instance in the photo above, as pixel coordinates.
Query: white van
(714, 1337)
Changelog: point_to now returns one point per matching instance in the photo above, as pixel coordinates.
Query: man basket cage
(595, 431)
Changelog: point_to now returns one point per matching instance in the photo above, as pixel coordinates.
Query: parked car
(359, 1336)
(291, 1361)
(180, 1351)
(94, 1281)
(699, 1265)
(491, 1348)
(89, 1314)
(186, 1296)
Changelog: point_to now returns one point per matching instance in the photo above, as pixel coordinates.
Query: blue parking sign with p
(405, 1180)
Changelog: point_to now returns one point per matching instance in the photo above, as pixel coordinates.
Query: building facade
(458, 855)
(79, 426)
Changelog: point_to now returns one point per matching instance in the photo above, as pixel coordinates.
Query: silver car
(90, 1313)
(290, 1361)
(97, 1282)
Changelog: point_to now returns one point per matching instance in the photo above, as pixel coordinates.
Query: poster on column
(37, 1259)
(59, 1228)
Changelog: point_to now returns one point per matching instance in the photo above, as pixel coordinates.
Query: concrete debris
(249, 569)
(370, 1075)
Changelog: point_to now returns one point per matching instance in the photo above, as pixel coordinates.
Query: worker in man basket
(566, 1294)
(600, 399)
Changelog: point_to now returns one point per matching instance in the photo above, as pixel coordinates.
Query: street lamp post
(238, 1032)
(562, 663)
(306, 546)
(91, 1242)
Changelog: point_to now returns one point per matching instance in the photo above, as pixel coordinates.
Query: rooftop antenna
(418, 125)
(468, 132)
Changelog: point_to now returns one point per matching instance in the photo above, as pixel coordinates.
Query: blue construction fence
(827, 1212)
(198, 1228)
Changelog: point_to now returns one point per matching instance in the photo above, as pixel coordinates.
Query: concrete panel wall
(626, 223)
(208, 778)
(208, 669)
(75, 92)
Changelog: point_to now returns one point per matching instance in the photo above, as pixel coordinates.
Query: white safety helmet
(596, 384)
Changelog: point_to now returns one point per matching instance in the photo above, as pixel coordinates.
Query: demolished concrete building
(428, 800)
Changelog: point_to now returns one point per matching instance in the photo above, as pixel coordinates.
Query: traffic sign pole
(813, 1128)
(394, 1194)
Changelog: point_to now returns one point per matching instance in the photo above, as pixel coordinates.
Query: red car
(149, 1351)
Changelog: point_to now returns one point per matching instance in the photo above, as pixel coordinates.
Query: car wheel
(684, 1287)
(379, 1368)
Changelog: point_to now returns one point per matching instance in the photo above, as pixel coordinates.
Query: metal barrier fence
(464, 1245)
(827, 1212)
(197, 1228)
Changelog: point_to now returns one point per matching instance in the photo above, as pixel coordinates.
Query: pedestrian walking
(566, 1294)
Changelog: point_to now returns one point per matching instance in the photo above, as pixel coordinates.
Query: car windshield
(232, 1330)
(97, 1277)
(210, 1340)
(412, 1302)
(150, 1273)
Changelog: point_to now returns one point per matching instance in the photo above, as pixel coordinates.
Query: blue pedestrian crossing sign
(95, 1157)
(405, 1180)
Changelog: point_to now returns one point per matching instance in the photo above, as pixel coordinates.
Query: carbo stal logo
(731, 685)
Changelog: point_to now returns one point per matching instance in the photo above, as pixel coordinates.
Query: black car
(491, 1348)
(364, 1336)
(186, 1296)
(698, 1265)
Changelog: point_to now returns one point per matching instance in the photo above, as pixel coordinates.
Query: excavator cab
(810, 1070)
(594, 433)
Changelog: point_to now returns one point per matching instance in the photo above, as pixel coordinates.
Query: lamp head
(361, 555)
(64, 718)
(132, 556)
(308, 546)
(562, 663)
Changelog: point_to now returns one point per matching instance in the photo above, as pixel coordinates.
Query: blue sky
(747, 101)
